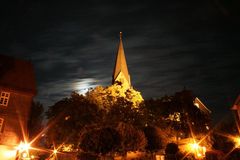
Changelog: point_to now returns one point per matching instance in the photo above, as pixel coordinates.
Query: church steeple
(120, 72)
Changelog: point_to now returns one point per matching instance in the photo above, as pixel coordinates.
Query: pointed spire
(121, 66)
(120, 35)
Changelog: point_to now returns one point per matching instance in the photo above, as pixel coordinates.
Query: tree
(178, 113)
(171, 148)
(132, 139)
(35, 119)
(156, 110)
(100, 141)
(191, 117)
(69, 116)
(106, 97)
(154, 140)
(122, 111)
(172, 152)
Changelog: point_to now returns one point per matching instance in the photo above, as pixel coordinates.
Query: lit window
(1, 124)
(4, 98)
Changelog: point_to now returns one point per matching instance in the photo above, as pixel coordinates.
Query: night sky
(169, 45)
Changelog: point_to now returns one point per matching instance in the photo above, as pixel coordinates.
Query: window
(4, 98)
(1, 124)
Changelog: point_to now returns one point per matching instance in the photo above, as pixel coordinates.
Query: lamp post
(197, 150)
(23, 151)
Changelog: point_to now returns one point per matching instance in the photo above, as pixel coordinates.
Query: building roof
(17, 75)
(186, 94)
(201, 106)
(236, 105)
(121, 64)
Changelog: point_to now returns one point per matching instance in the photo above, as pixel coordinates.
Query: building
(120, 72)
(17, 89)
(120, 88)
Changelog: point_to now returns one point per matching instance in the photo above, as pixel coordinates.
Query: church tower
(120, 72)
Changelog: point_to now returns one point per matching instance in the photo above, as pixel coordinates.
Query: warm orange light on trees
(196, 149)
(23, 146)
(237, 142)
(55, 151)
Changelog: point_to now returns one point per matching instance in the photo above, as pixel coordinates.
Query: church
(121, 86)
(120, 72)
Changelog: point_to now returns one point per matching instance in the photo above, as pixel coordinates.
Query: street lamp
(197, 150)
(237, 142)
(23, 151)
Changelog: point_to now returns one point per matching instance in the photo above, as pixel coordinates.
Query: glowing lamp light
(55, 151)
(199, 155)
(194, 146)
(237, 141)
(23, 146)
(7, 154)
(23, 150)
(24, 155)
(197, 150)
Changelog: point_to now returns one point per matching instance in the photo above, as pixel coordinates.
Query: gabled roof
(201, 106)
(236, 105)
(17, 75)
(121, 64)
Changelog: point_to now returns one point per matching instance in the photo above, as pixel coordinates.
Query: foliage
(106, 97)
(221, 134)
(171, 148)
(82, 120)
(68, 116)
(122, 111)
(132, 139)
(179, 113)
(35, 119)
(99, 141)
(154, 140)
(156, 110)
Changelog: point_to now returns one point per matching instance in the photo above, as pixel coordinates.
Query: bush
(171, 148)
(99, 141)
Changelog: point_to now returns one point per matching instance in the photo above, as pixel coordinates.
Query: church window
(4, 98)
(1, 124)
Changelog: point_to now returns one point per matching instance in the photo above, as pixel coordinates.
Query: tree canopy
(35, 123)
(132, 139)
(179, 113)
(103, 121)
(99, 140)
(69, 116)
(106, 97)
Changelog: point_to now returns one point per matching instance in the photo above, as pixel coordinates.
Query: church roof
(17, 75)
(121, 64)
